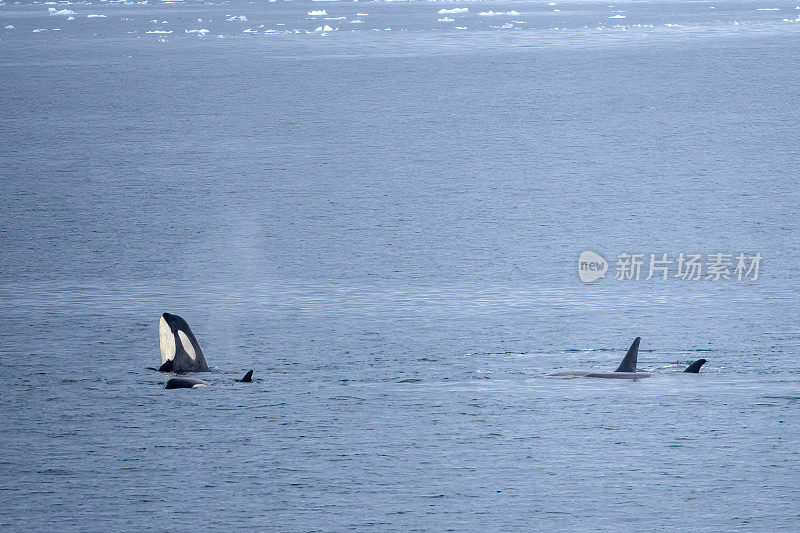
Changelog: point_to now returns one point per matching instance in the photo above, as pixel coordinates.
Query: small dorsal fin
(694, 368)
(166, 367)
(247, 377)
(628, 364)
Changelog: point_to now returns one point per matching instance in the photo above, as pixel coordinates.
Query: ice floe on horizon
(317, 13)
(234, 18)
(453, 11)
(60, 12)
(491, 13)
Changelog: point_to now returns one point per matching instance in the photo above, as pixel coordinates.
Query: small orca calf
(191, 383)
(627, 368)
(184, 383)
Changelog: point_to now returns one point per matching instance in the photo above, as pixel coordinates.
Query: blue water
(385, 225)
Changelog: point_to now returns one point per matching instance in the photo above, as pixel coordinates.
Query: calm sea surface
(381, 213)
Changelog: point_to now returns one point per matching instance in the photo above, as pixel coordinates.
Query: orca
(694, 368)
(184, 383)
(180, 351)
(627, 368)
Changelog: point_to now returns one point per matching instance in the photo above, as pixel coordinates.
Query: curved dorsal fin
(628, 364)
(694, 368)
(247, 377)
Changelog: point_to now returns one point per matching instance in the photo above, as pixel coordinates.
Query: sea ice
(317, 13)
(453, 10)
(234, 18)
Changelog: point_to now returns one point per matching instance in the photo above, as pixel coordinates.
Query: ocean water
(383, 219)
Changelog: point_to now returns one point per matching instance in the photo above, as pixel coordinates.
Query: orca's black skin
(166, 367)
(628, 363)
(248, 378)
(183, 383)
(694, 368)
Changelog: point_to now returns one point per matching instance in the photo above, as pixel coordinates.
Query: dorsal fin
(166, 367)
(694, 368)
(628, 364)
(247, 377)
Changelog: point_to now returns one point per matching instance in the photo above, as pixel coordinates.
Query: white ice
(60, 12)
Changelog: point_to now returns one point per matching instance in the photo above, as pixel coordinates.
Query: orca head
(179, 345)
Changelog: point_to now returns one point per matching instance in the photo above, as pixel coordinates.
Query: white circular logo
(591, 266)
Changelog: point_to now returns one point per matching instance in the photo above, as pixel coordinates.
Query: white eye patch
(187, 345)
(167, 340)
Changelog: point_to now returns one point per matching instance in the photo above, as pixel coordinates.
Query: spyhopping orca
(180, 351)
(627, 368)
